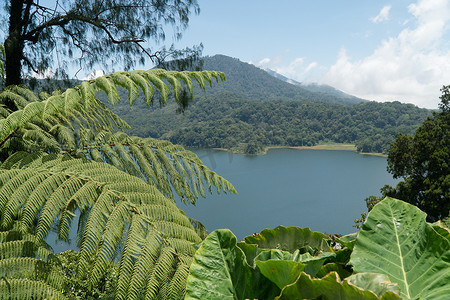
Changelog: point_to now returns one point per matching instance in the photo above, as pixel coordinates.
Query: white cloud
(310, 67)
(411, 67)
(94, 74)
(46, 74)
(264, 61)
(293, 70)
(383, 15)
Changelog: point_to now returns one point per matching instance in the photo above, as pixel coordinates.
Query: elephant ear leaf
(329, 287)
(220, 271)
(348, 240)
(441, 229)
(397, 241)
(279, 266)
(289, 239)
(377, 283)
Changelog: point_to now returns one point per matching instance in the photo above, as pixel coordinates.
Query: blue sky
(378, 50)
(383, 50)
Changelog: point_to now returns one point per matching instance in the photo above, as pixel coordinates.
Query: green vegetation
(253, 110)
(65, 162)
(295, 263)
(43, 36)
(423, 162)
(63, 157)
(225, 121)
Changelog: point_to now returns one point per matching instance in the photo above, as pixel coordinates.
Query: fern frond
(64, 135)
(145, 86)
(23, 248)
(176, 287)
(54, 186)
(184, 76)
(124, 81)
(32, 268)
(27, 289)
(105, 85)
(133, 246)
(170, 167)
(11, 93)
(25, 92)
(161, 273)
(79, 104)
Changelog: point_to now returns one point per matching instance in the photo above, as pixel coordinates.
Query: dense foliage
(295, 263)
(47, 35)
(65, 164)
(253, 109)
(225, 121)
(423, 162)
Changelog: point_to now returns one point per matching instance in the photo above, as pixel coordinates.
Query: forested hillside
(249, 82)
(252, 109)
(226, 121)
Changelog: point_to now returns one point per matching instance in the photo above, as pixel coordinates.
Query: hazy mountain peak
(250, 82)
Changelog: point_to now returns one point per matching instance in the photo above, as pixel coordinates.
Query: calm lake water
(319, 189)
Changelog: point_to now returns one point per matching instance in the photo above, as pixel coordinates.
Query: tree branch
(61, 21)
(28, 62)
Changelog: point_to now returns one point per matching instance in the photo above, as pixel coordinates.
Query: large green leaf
(281, 272)
(396, 240)
(377, 283)
(283, 267)
(329, 287)
(348, 240)
(220, 271)
(289, 239)
(441, 229)
(342, 270)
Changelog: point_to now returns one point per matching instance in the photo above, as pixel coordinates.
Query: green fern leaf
(146, 88)
(122, 80)
(28, 289)
(113, 199)
(104, 84)
(157, 82)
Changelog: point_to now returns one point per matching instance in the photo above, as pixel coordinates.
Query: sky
(394, 50)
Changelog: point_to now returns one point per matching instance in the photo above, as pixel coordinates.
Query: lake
(320, 189)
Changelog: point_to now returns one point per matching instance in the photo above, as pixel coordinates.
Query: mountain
(253, 109)
(316, 88)
(251, 82)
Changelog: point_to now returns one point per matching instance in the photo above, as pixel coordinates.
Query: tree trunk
(14, 46)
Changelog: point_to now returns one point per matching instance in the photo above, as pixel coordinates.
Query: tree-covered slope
(225, 121)
(253, 109)
(250, 82)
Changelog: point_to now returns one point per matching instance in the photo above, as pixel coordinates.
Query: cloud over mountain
(411, 66)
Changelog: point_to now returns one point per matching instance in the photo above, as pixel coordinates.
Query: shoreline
(334, 147)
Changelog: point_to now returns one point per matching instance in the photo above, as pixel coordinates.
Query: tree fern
(159, 234)
(158, 162)
(57, 146)
(181, 170)
(83, 95)
(28, 289)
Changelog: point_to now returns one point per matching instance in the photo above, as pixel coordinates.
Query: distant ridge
(315, 87)
(250, 82)
(253, 109)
